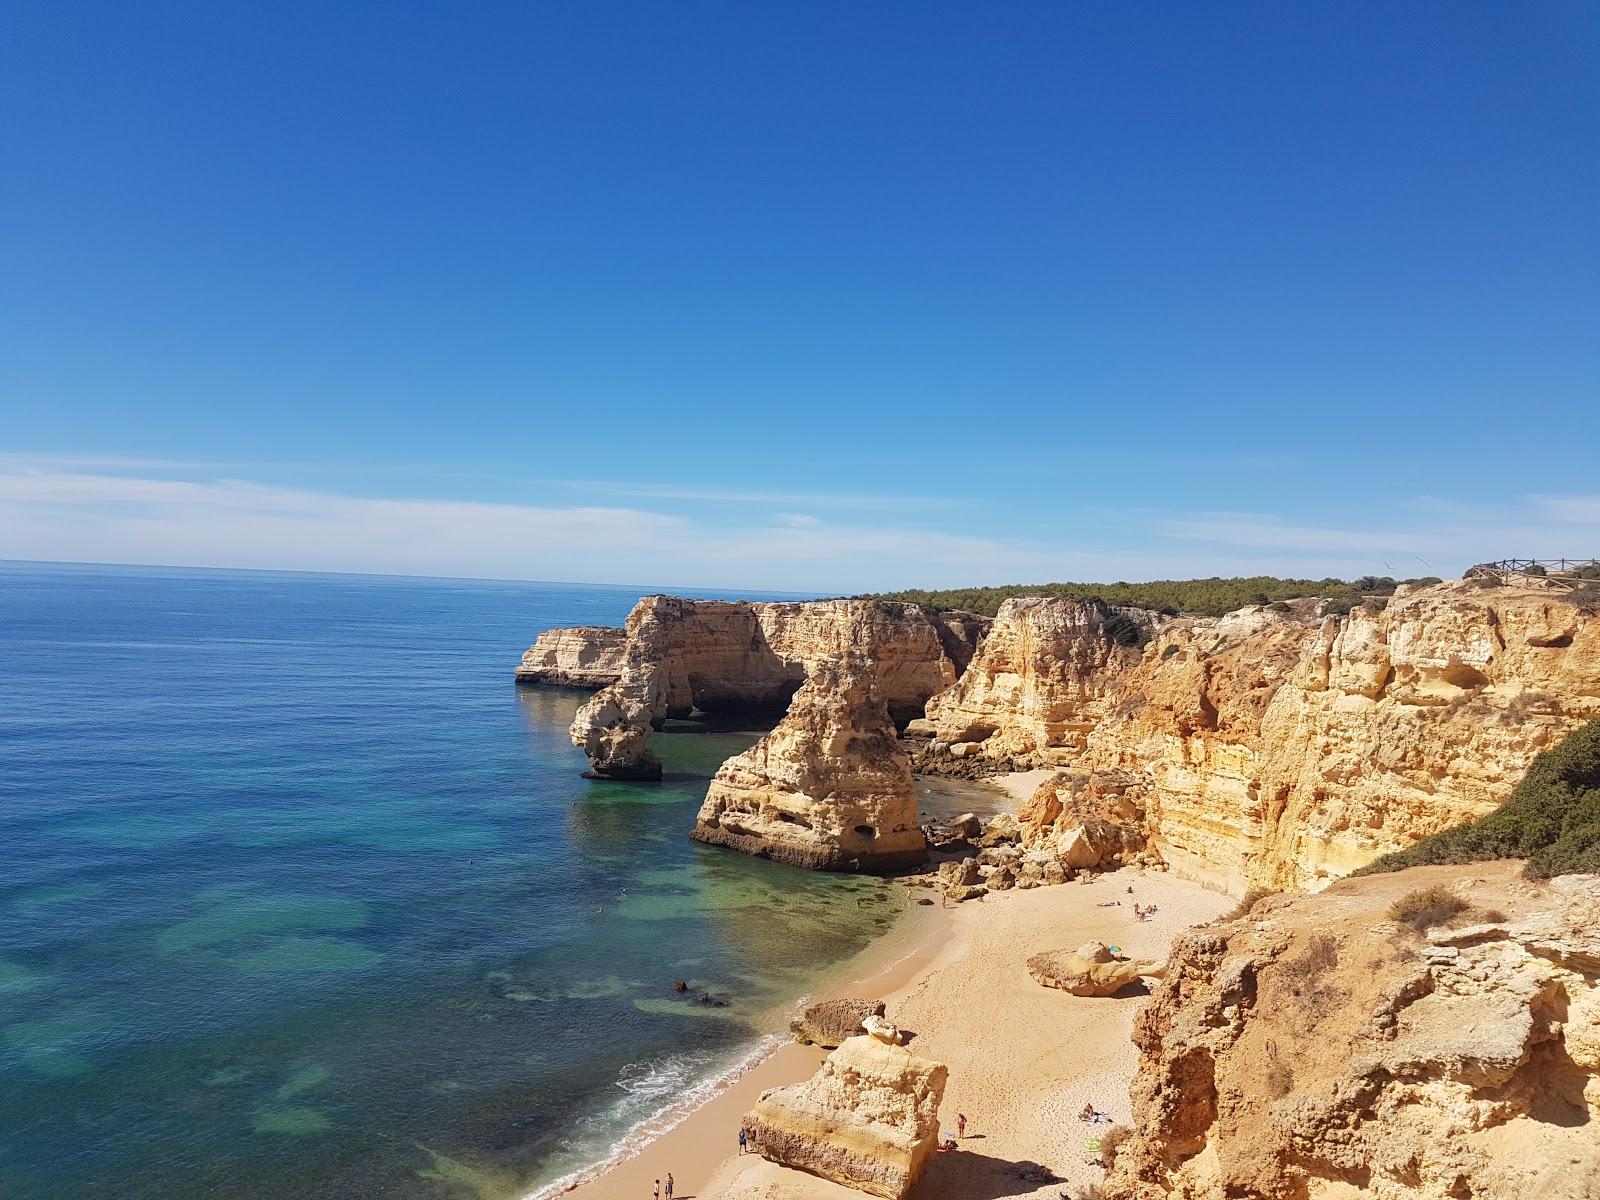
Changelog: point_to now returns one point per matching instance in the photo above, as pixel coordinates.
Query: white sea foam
(656, 1096)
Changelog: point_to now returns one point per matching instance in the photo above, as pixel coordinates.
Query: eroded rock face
(1085, 822)
(1285, 748)
(584, 656)
(1041, 679)
(830, 1022)
(1091, 970)
(730, 656)
(868, 1119)
(830, 788)
(1314, 1049)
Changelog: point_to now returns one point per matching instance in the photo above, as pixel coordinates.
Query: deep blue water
(300, 896)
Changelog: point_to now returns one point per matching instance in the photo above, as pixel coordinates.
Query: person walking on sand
(669, 1185)
(961, 1125)
(656, 1195)
(742, 1138)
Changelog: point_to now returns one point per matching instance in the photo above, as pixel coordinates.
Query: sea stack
(868, 1119)
(830, 788)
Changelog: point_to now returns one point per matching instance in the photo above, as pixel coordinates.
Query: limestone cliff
(868, 1119)
(1317, 1049)
(586, 656)
(830, 788)
(723, 656)
(1042, 678)
(1286, 748)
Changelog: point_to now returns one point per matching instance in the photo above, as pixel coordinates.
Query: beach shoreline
(1023, 1059)
(699, 1135)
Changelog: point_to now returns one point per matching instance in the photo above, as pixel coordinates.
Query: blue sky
(821, 297)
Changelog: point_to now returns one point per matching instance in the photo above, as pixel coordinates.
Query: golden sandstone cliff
(1281, 748)
(868, 1119)
(585, 656)
(1316, 1049)
(830, 788)
(728, 656)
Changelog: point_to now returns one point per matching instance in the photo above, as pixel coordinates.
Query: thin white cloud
(1262, 531)
(1579, 510)
(101, 517)
(141, 517)
(718, 495)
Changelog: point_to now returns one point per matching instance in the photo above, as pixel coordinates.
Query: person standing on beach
(742, 1138)
(961, 1124)
(669, 1185)
(656, 1195)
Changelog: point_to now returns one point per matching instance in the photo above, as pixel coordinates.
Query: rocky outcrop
(582, 656)
(1281, 747)
(1041, 681)
(1315, 1048)
(1093, 969)
(830, 788)
(1085, 822)
(868, 1119)
(830, 1022)
(734, 656)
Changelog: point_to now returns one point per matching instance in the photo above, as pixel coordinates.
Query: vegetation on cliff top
(1203, 597)
(1552, 819)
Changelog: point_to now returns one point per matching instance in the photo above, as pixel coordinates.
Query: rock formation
(868, 1119)
(584, 656)
(1281, 747)
(1041, 680)
(830, 788)
(1314, 1048)
(1084, 822)
(829, 1022)
(729, 656)
(1093, 969)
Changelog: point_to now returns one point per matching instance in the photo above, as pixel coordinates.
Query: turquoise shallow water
(299, 896)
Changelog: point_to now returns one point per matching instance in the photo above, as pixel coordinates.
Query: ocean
(301, 896)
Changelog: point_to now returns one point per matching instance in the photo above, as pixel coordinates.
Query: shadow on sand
(975, 1176)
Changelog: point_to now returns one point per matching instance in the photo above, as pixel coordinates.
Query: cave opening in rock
(866, 831)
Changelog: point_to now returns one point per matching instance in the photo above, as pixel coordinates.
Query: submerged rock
(868, 1119)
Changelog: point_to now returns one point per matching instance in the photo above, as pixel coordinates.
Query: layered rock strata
(830, 788)
(868, 1119)
(1316, 1049)
(1282, 747)
(735, 656)
(1041, 681)
(582, 656)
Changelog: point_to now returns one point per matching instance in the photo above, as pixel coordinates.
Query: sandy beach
(1023, 1059)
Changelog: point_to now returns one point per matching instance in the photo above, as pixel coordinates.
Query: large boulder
(830, 1022)
(1093, 969)
(868, 1119)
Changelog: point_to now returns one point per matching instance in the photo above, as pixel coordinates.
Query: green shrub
(1202, 597)
(1552, 819)
(1427, 907)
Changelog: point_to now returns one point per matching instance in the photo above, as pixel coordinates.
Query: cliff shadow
(974, 1176)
